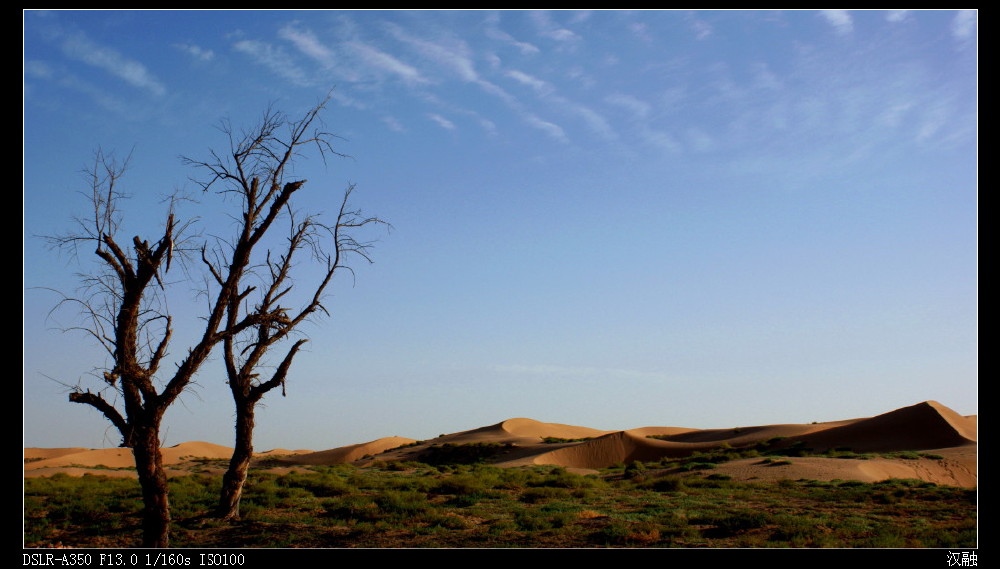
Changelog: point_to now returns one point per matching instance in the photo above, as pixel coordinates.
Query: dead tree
(123, 309)
(255, 171)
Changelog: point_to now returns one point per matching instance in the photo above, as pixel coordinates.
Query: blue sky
(611, 219)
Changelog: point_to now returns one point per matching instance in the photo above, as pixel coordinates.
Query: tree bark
(236, 475)
(153, 480)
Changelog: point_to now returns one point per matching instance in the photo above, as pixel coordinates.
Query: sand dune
(105, 457)
(530, 428)
(927, 426)
(282, 452)
(196, 449)
(43, 453)
(953, 469)
(623, 446)
(350, 453)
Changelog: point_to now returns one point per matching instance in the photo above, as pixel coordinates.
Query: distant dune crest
(946, 437)
(531, 428)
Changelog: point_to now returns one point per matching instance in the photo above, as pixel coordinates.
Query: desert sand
(928, 427)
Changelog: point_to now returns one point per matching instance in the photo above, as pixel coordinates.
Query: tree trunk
(153, 480)
(236, 476)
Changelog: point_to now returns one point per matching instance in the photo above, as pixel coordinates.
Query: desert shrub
(634, 470)
(446, 521)
(846, 453)
(669, 483)
(735, 522)
(402, 503)
(711, 481)
(796, 531)
(959, 536)
(411, 483)
(886, 537)
(468, 453)
(401, 465)
(459, 484)
(90, 505)
(558, 440)
(562, 478)
(906, 455)
(623, 532)
(351, 507)
(491, 476)
(270, 493)
(193, 495)
(321, 485)
(407, 445)
(691, 466)
(517, 478)
(542, 493)
(533, 520)
(365, 480)
(798, 448)
(472, 498)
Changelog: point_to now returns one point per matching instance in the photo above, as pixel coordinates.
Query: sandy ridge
(929, 427)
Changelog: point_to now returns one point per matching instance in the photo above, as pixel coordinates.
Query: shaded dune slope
(349, 453)
(924, 426)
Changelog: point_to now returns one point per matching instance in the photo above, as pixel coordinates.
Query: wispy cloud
(379, 59)
(551, 129)
(275, 59)
(195, 51)
(489, 126)
(524, 47)
(441, 121)
(307, 43)
(639, 109)
(594, 120)
(80, 47)
(449, 53)
(540, 86)
(41, 71)
(841, 20)
(660, 140)
(393, 124)
(548, 29)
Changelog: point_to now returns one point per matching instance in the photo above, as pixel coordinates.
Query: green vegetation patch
(467, 453)
(476, 505)
(560, 440)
